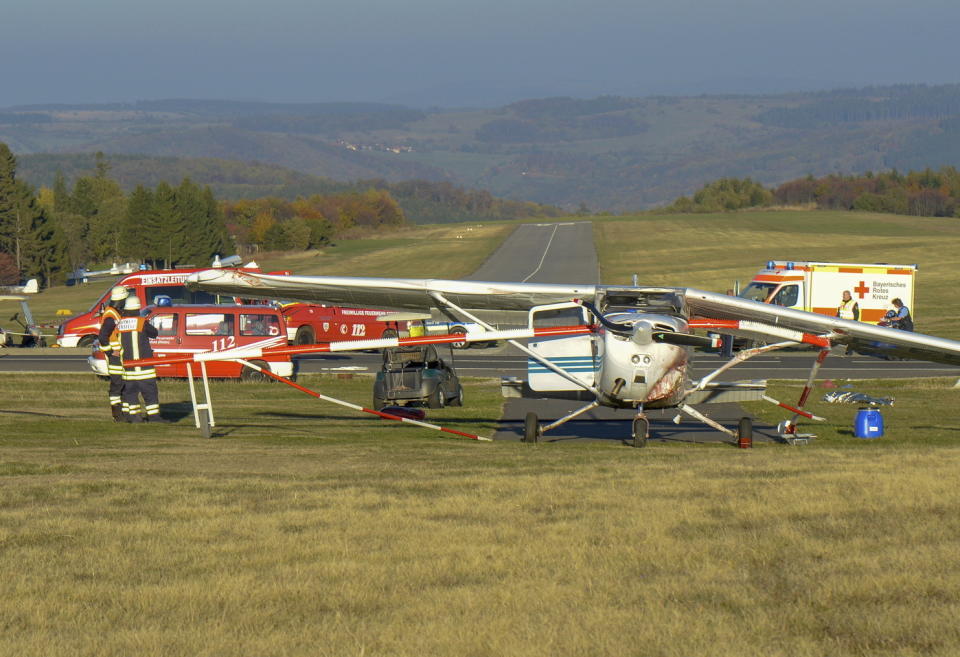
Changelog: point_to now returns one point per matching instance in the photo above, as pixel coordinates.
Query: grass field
(303, 530)
(712, 251)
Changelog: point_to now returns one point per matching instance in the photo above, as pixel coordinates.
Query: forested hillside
(92, 221)
(606, 153)
(422, 201)
(927, 193)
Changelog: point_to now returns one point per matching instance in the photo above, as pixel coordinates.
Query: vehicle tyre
(249, 374)
(436, 398)
(458, 399)
(389, 333)
(745, 433)
(459, 330)
(641, 429)
(531, 428)
(304, 335)
(378, 402)
(86, 341)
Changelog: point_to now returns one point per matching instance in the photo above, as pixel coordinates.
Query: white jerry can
(574, 355)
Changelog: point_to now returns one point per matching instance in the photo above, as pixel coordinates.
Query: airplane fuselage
(636, 369)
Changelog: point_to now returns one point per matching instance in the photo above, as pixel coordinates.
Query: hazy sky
(455, 53)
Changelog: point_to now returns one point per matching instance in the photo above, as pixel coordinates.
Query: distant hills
(606, 153)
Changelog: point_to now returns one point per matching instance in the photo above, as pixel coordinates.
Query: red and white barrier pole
(357, 345)
(356, 407)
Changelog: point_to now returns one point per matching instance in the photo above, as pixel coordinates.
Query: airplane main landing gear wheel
(531, 429)
(745, 433)
(641, 429)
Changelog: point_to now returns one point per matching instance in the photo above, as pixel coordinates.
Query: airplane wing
(418, 294)
(392, 293)
(861, 337)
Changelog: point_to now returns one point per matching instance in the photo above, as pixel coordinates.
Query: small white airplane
(629, 349)
(30, 287)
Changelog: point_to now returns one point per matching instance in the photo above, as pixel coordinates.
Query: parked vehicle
(458, 328)
(416, 375)
(198, 328)
(310, 323)
(81, 330)
(817, 286)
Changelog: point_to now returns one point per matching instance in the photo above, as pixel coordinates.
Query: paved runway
(544, 253)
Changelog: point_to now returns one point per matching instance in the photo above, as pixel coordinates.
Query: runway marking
(544, 256)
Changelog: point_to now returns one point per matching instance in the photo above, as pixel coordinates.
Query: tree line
(422, 201)
(927, 193)
(871, 104)
(49, 232)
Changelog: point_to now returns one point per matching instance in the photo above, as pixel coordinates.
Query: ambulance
(818, 286)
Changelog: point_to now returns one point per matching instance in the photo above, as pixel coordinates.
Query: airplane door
(576, 354)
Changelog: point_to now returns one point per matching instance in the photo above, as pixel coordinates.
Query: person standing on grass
(110, 346)
(848, 308)
(135, 333)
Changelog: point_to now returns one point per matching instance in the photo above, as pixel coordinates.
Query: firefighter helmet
(119, 293)
(132, 303)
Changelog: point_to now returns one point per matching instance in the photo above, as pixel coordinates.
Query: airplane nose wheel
(641, 430)
(531, 429)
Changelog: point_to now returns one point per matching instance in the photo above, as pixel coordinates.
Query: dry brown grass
(303, 531)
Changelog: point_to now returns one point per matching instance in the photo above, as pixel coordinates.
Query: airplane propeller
(684, 339)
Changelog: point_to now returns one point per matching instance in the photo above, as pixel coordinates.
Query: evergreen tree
(190, 245)
(215, 228)
(138, 210)
(8, 201)
(47, 259)
(162, 226)
(61, 195)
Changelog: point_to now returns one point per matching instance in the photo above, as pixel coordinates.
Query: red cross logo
(861, 289)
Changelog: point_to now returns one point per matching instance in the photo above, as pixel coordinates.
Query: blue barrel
(868, 423)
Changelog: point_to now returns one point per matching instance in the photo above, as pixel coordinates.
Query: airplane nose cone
(642, 332)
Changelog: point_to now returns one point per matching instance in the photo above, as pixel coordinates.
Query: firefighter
(110, 346)
(848, 308)
(135, 333)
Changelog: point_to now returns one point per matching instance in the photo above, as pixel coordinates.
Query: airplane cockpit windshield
(656, 301)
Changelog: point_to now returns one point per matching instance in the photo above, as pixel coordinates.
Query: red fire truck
(304, 323)
(308, 323)
(190, 329)
(81, 330)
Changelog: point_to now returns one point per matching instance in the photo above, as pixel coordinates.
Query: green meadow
(712, 251)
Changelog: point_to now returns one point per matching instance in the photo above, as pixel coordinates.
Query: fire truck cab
(81, 330)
